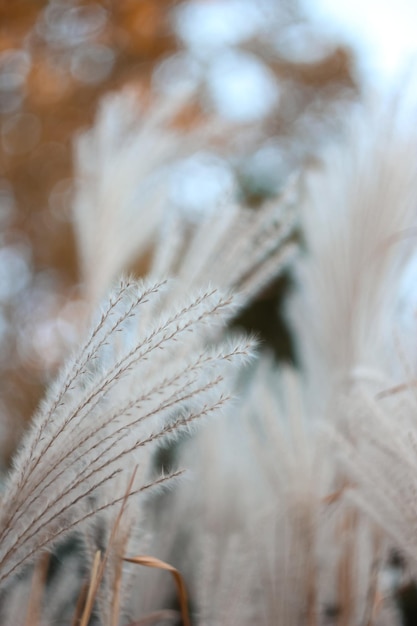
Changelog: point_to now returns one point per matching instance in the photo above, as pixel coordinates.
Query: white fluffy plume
(121, 393)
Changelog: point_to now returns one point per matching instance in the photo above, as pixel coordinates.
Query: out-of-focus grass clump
(256, 69)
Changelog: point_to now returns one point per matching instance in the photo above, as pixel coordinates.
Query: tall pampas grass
(233, 247)
(358, 221)
(298, 542)
(300, 488)
(125, 390)
(120, 183)
(289, 548)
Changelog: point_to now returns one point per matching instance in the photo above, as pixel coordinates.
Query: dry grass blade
(92, 590)
(34, 609)
(385, 393)
(336, 495)
(375, 596)
(99, 564)
(115, 604)
(150, 561)
(81, 603)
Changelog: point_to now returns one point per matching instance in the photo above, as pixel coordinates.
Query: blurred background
(280, 75)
